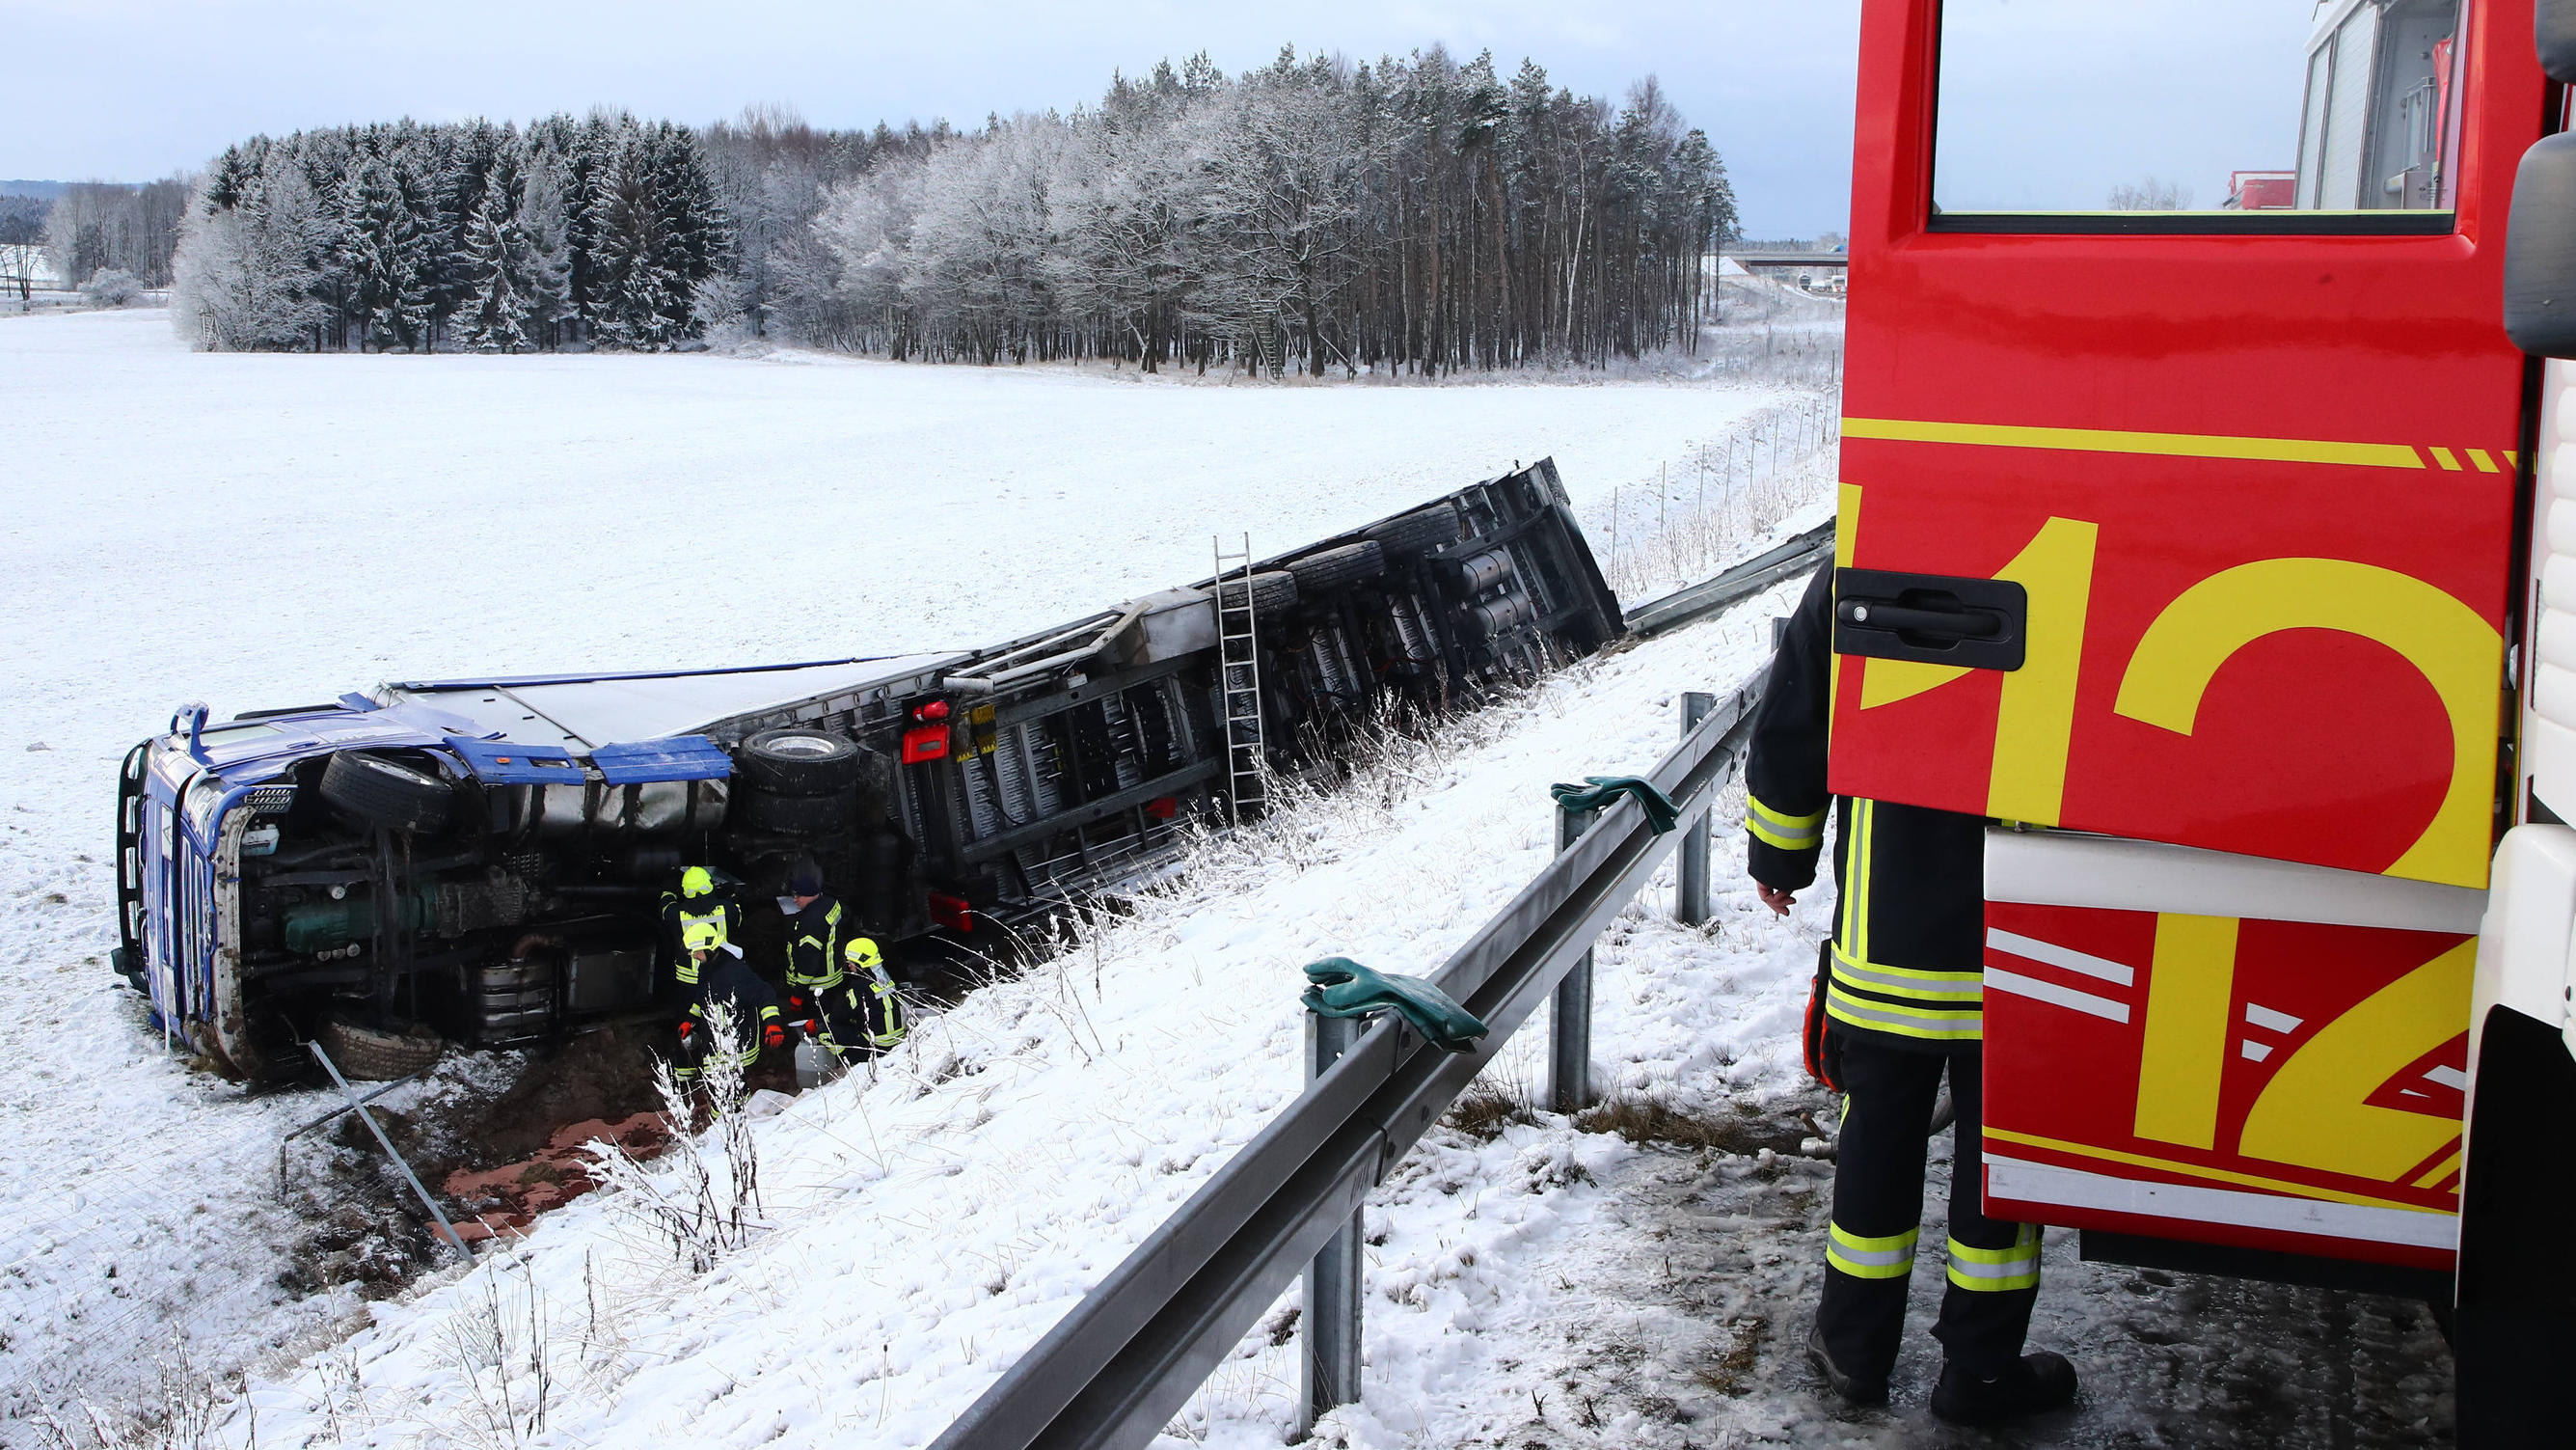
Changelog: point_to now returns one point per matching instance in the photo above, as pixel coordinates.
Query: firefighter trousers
(1993, 1267)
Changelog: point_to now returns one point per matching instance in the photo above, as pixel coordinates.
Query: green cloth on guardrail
(1661, 813)
(1344, 988)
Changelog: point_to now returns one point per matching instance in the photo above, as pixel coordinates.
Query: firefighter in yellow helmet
(860, 1012)
(880, 1003)
(708, 968)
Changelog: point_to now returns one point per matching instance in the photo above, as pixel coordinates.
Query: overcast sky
(127, 91)
(2065, 98)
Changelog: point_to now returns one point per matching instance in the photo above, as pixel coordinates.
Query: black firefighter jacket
(1908, 940)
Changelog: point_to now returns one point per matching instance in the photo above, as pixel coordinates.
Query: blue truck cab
(481, 860)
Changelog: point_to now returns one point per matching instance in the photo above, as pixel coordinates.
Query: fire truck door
(2178, 494)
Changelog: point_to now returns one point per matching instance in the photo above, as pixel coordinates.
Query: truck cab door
(2182, 437)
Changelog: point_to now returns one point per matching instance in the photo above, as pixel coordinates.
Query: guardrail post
(1569, 1027)
(1691, 900)
(1330, 1324)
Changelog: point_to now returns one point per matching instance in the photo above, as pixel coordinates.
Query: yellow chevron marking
(2168, 445)
(2443, 457)
(2479, 457)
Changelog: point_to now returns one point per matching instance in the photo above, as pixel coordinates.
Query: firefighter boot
(1855, 1389)
(2028, 1385)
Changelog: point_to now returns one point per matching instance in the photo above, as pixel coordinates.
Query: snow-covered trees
(470, 235)
(101, 224)
(1419, 213)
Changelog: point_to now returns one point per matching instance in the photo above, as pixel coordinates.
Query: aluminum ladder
(1239, 683)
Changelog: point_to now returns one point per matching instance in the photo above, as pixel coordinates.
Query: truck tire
(798, 815)
(1418, 532)
(799, 760)
(1333, 568)
(372, 1054)
(388, 793)
(1273, 593)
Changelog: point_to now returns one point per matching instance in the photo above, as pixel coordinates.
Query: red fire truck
(2235, 586)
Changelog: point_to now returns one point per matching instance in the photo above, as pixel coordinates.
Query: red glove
(773, 1035)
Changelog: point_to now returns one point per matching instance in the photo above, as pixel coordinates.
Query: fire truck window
(2212, 112)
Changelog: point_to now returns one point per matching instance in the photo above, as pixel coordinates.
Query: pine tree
(549, 275)
(498, 303)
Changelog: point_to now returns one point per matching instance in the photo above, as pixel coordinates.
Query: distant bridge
(1788, 259)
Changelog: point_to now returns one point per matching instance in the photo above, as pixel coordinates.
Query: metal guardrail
(1797, 556)
(1116, 1368)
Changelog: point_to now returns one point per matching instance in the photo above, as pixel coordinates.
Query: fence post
(1330, 1324)
(1569, 1027)
(1691, 900)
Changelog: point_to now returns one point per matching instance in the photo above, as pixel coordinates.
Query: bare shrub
(702, 1198)
(498, 1350)
(1645, 1122)
(183, 1411)
(111, 287)
(1486, 1108)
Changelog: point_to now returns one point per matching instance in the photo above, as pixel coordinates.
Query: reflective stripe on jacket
(814, 945)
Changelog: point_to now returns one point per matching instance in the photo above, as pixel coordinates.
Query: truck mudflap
(2187, 1045)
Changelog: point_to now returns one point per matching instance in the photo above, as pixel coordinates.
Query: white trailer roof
(582, 714)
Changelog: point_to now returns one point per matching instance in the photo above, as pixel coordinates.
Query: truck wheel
(1418, 532)
(799, 760)
(383, 792)
(1333, 568)
(371, 1054)
(797, 815)
(1273, 593)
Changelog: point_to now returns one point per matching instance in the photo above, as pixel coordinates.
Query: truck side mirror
(2540, 245)
(2554, 28)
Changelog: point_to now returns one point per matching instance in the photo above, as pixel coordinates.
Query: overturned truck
(481, 860)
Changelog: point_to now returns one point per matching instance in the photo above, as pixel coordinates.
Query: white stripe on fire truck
(2253, 1051)
(2449, 1077)
(2058, 956)
(2271, 1021)
(2055, 995)
(2013, 1180)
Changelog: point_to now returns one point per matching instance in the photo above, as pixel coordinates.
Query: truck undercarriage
(481, 860)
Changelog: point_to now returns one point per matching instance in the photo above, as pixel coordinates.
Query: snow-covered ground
(1531, 1279)
(273, 530)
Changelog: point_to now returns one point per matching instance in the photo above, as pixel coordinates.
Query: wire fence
(1699, 514)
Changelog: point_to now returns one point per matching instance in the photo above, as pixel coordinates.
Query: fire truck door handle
(1936, 619)
(1942, 624)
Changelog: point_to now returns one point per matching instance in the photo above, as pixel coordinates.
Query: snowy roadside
(930, 1226)
(1531, 1279)
(260, 530)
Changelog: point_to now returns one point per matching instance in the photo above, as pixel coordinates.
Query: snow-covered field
(1528, 1282)
(272, 530)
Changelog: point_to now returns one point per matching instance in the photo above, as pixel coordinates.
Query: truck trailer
(480, 860)
(2225, 561)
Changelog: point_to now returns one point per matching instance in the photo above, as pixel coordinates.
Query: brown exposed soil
(506, 1199)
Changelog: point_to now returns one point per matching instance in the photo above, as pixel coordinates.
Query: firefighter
(708, 968)
(883, 1017)
(813, 965)
(1898, 1003)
